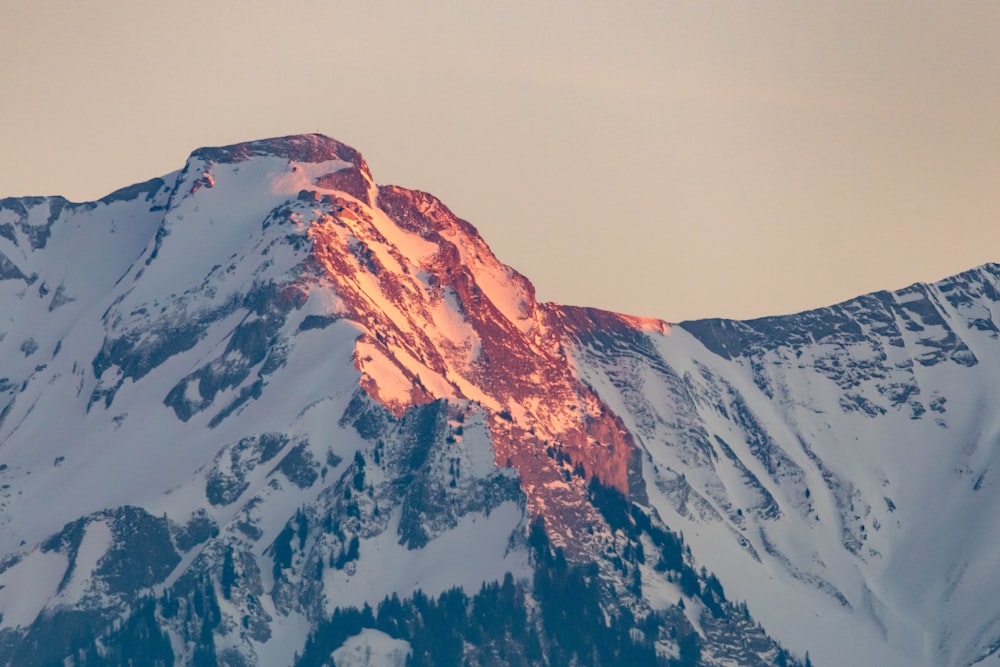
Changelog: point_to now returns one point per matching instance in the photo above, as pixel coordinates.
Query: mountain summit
(264, 411)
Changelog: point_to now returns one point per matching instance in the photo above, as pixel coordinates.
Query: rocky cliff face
(240, 402)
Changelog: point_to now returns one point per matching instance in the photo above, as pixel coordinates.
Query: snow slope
(833, 467)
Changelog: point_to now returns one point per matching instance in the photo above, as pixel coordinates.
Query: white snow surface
(479, 545)
(26, 587)
(372, 648)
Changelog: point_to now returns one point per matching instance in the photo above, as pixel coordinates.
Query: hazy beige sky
(669, 159)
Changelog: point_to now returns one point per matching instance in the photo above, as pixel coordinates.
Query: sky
(669, 159)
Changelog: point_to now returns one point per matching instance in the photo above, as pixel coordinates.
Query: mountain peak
(300, 228)
(312, 162)
(308, 148)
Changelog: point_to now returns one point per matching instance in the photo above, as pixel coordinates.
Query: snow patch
(477, 550)
(372, 648)
(27, 587)
(96, 541)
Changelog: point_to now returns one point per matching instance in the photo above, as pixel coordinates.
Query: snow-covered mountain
(264, 411)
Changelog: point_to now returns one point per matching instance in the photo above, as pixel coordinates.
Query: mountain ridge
(284, 375)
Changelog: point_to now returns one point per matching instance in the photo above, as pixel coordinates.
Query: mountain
(264, 411)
